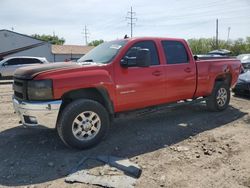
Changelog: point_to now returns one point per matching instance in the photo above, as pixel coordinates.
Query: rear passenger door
(138, 87)
(180, 71)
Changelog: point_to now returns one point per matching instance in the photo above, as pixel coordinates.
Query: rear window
(175, 52)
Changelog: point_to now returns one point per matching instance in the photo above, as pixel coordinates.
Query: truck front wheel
(83, 123)
(220, 97)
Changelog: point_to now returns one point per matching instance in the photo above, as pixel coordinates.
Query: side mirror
(142, 59)
(128, 61)
(196, 57)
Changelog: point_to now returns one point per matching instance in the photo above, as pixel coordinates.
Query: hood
(245, 77)
(32, 71)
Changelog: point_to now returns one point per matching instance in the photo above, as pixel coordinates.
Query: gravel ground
(180, 147)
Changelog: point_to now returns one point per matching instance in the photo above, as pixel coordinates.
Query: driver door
(138, 87)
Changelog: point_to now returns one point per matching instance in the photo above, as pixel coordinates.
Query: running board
(153, 109)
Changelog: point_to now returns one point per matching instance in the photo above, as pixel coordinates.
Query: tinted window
(175, 52)
(12, 62)
(29, 61)
(24, 61)
(150, 45)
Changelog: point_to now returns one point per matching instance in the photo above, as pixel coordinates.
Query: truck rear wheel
(220, 97)
(83, 124)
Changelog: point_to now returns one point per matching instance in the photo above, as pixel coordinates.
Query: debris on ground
(179, 148)
(106, 171)
(37, 157)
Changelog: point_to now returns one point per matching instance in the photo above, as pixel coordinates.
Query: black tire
(218, 104)
(72, 113)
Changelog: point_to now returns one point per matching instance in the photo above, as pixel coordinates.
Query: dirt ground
(180, 147)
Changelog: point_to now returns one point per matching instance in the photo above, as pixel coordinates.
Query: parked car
(210, 56)
(221, 52)
(215, 54)
(243, 84)
(245, 60)
(9, 65)
(116, 77)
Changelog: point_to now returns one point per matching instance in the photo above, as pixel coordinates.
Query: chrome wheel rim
(221, 97)
(86, 125)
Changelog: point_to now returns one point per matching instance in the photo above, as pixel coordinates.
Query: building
(17, 44)
(69, 52)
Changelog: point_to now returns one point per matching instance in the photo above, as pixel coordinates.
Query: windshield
(103, 53)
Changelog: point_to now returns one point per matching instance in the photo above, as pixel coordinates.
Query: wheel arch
(225, 78)
(98, 94)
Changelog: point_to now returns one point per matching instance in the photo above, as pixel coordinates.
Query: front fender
(81, 80)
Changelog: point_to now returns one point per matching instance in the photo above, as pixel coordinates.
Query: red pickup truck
(80, 100)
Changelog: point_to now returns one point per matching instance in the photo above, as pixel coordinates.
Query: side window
(22, 61)
(175, 52)
(37, 61)
(25, 61)
(12, 62)
(131, 53)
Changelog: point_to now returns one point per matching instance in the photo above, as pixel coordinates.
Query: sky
(107, 19)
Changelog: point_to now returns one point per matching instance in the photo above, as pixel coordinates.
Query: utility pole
(131, 17)
(228, 33)
(217, 33)
(86, 34)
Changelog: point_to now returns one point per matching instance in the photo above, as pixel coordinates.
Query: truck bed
(210, 70)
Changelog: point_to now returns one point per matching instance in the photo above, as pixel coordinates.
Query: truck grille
(20, 89)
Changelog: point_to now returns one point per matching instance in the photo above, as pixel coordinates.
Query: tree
(49, 38)
(205, 45)
(95, 42)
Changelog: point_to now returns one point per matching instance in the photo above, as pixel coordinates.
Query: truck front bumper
(37, 113)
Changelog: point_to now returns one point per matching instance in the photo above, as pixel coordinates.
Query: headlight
(40, 90)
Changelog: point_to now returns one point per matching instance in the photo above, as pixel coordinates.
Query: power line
(228, 33)
(131, 17)
(86, 34)
(217, 33)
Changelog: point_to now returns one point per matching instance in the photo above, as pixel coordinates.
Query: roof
(5, 30)
(10, 52)
(70, 49)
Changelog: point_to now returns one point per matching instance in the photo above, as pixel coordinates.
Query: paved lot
(182, 147)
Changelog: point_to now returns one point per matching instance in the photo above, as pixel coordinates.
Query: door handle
(156, 73)
(188, 70)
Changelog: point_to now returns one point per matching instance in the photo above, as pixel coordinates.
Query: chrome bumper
(37, 113)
